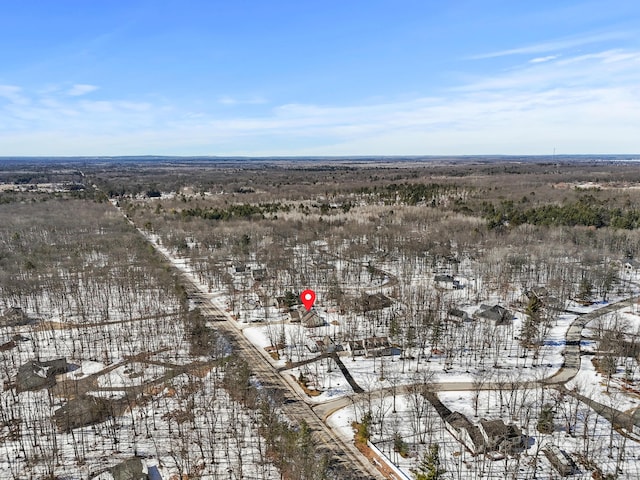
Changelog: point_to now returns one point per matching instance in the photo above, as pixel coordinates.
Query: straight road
(345, 453)
(345, 457)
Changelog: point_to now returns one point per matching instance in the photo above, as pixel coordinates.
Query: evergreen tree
(429, 468)
(364, 428)
(545, 420)
(399, 445)
(529, 330)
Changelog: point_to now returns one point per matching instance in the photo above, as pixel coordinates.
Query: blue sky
(349, 77)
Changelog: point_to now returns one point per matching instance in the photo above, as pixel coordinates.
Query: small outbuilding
(328, 345)
(458, 315)
(258, 274)
(308, 318)
(563, 464)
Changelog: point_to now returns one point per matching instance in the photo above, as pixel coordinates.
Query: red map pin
(308, 298)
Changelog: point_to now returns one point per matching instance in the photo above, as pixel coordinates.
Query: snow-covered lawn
(592, 435)
(130, 375)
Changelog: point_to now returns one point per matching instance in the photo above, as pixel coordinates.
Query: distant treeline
(413, 193)
(244, 210)
(587, 211)
(261, 210)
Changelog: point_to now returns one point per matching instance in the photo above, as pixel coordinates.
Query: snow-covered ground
(507, 362)
(591, 436)
(127, 345)
(464, 353)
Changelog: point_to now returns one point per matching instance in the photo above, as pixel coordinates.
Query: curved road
(568, 370)
(571, 364)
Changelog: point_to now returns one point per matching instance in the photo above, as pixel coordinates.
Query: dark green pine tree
(545, 420)
(529, 329)
(429, 468)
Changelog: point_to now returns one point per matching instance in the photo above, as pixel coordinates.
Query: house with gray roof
(14, 317)
(35, 374)
(500, 437)
(465, 432)
(82, 411)
(495, 314)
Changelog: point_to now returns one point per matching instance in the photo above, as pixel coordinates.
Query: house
(82, 411)
(447, 281)
(372, 347)
(35, 375)
(376, 301)
(495, 314)
(499, 437)
(542, 294)
(458, 315)
(308, 318)
(379, 347)
(13, 317)
(131, 469)
(356, 348)
(240, 268)
(563, 464)
(311, 319)
(538, 292)
(258, 274)
(328, 345)
(465, 432)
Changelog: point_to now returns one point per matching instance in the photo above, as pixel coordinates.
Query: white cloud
(229, 100)
(226, 100)
(543, 59)
(588, 103)
(610, 67)
(13, 94)
(560, 44)
(80, 89)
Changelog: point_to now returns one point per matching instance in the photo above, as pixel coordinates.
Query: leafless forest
(107, 356)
